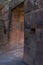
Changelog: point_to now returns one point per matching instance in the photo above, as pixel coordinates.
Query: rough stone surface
(32, 5)
(15, 3)
(34, 19)
(33, 45)
(13, 57)
(29, 6)
(15, 27)
(2, 33)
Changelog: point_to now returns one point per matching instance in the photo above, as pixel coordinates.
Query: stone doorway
(17, 27)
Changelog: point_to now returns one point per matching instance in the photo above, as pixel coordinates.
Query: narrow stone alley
(21, 32)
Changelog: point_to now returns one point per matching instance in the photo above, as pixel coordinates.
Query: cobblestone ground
(14, 57)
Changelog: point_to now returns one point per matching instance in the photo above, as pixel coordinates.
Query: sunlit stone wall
(17, 27)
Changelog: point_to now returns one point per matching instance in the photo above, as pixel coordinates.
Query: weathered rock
(34, 19)
(31, 5)
(33, 45)
(1, 32)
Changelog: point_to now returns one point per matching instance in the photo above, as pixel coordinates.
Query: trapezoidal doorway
(17, 27)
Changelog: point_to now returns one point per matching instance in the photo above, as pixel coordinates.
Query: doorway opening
(17, 27)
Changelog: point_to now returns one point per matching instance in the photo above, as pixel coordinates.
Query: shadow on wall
(3, 37)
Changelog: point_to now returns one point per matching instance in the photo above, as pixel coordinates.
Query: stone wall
(7, 17)
(33, 47)
(5, 14)
(6, 10)
(0, 14)
(2, 31)
(15, 3)
(17, 27)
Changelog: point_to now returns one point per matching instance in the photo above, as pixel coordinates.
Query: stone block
(6, 24)
(5, 8)
(39, 54)
(15, 3)
(29, 6)
(27, 36)
(6, 16)
(39, 3)
(33, 48)
(34, 19)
